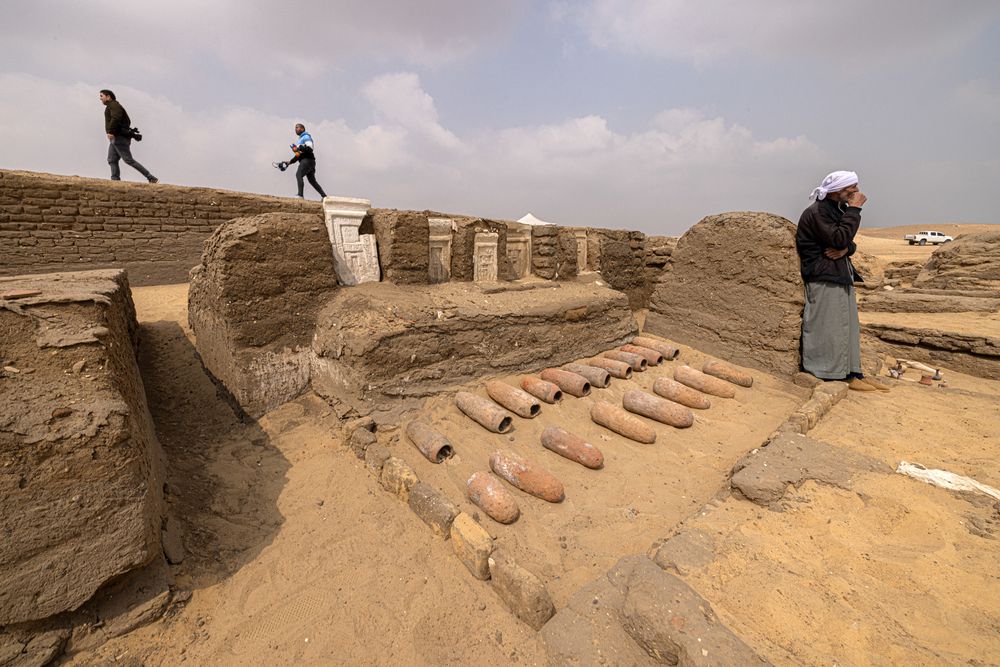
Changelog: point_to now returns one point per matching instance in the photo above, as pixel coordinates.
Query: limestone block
(674, 624)
(813, 410)
(360, 441)
(485, 260)
(80, 466)
(398, 478)
(375, 457)
(519, 250)
(433, 508)
(472, 544)
(355, 255)
(523, 593)
(836, 390)
(581, 250)
(439, 249)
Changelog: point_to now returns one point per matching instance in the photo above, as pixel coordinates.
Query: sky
(641, 114)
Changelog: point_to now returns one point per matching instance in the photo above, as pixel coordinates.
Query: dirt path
(294, 555)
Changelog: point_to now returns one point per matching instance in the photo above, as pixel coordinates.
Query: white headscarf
(834, 182)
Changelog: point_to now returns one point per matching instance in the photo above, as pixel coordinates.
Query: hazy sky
(647, 114)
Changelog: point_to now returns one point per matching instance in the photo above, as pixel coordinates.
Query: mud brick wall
(402, 238)
(156, 232)
(621, 259)
(553, 252)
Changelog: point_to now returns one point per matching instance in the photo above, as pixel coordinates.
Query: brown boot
(878, 384)
(857, 384)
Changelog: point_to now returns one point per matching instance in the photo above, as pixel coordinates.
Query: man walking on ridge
(831, 338)
(304, 155)
(118, 127)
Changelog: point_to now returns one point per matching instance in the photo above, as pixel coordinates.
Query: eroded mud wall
(80, 467)
(733, 289)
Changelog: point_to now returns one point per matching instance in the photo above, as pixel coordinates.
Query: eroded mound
(733, 289)
(972, 261)
(380, 340)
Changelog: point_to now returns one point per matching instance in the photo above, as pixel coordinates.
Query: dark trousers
(307, 169)
(119, 149)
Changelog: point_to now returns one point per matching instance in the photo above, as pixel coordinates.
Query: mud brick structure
(271, 320)
(733, 289)
(67, 223)
(80, 466)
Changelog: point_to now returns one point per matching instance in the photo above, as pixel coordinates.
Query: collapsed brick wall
(65, 223)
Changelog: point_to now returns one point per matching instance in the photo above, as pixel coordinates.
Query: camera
(134, 133)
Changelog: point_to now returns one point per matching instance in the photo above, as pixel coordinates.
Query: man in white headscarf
(831, 340)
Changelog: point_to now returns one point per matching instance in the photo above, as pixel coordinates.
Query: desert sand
(296, 556)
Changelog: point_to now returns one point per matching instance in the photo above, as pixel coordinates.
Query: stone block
(523, 593)
(398, 478)
(375, 457)
(813, 410)
(836, 390)
(433, 508)
(764, 475)
(382, 340)
(360, 440)
(674, 624)
(253, 302)
(472, 544)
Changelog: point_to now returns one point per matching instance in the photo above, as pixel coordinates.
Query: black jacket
(116, 120)
(827, 224)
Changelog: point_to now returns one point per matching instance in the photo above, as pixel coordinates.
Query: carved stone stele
(519, 251)
(355, 257)
(484, 260)
(581, 250)
(439, 249)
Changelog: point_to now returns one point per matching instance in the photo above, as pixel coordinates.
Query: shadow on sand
(223, 476)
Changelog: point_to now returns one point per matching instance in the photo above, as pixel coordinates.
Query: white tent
(532, 220)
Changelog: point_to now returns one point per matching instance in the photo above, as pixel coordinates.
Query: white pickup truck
(923, 238)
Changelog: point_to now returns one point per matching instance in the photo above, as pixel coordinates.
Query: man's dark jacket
(116, 120)
(826, 225)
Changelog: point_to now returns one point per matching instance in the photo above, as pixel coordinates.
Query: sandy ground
(642, 491)
(295, 556)
(892, 572)
(951, 229)
(887, 243)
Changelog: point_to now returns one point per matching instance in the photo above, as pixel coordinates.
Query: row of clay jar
(489, 494)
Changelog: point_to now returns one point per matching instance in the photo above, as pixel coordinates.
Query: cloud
(295, 40)
(834, 37)
(399, 100)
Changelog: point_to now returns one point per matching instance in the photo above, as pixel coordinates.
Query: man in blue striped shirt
(304, 155)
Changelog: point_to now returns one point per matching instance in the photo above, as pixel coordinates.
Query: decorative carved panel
(355, 255)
